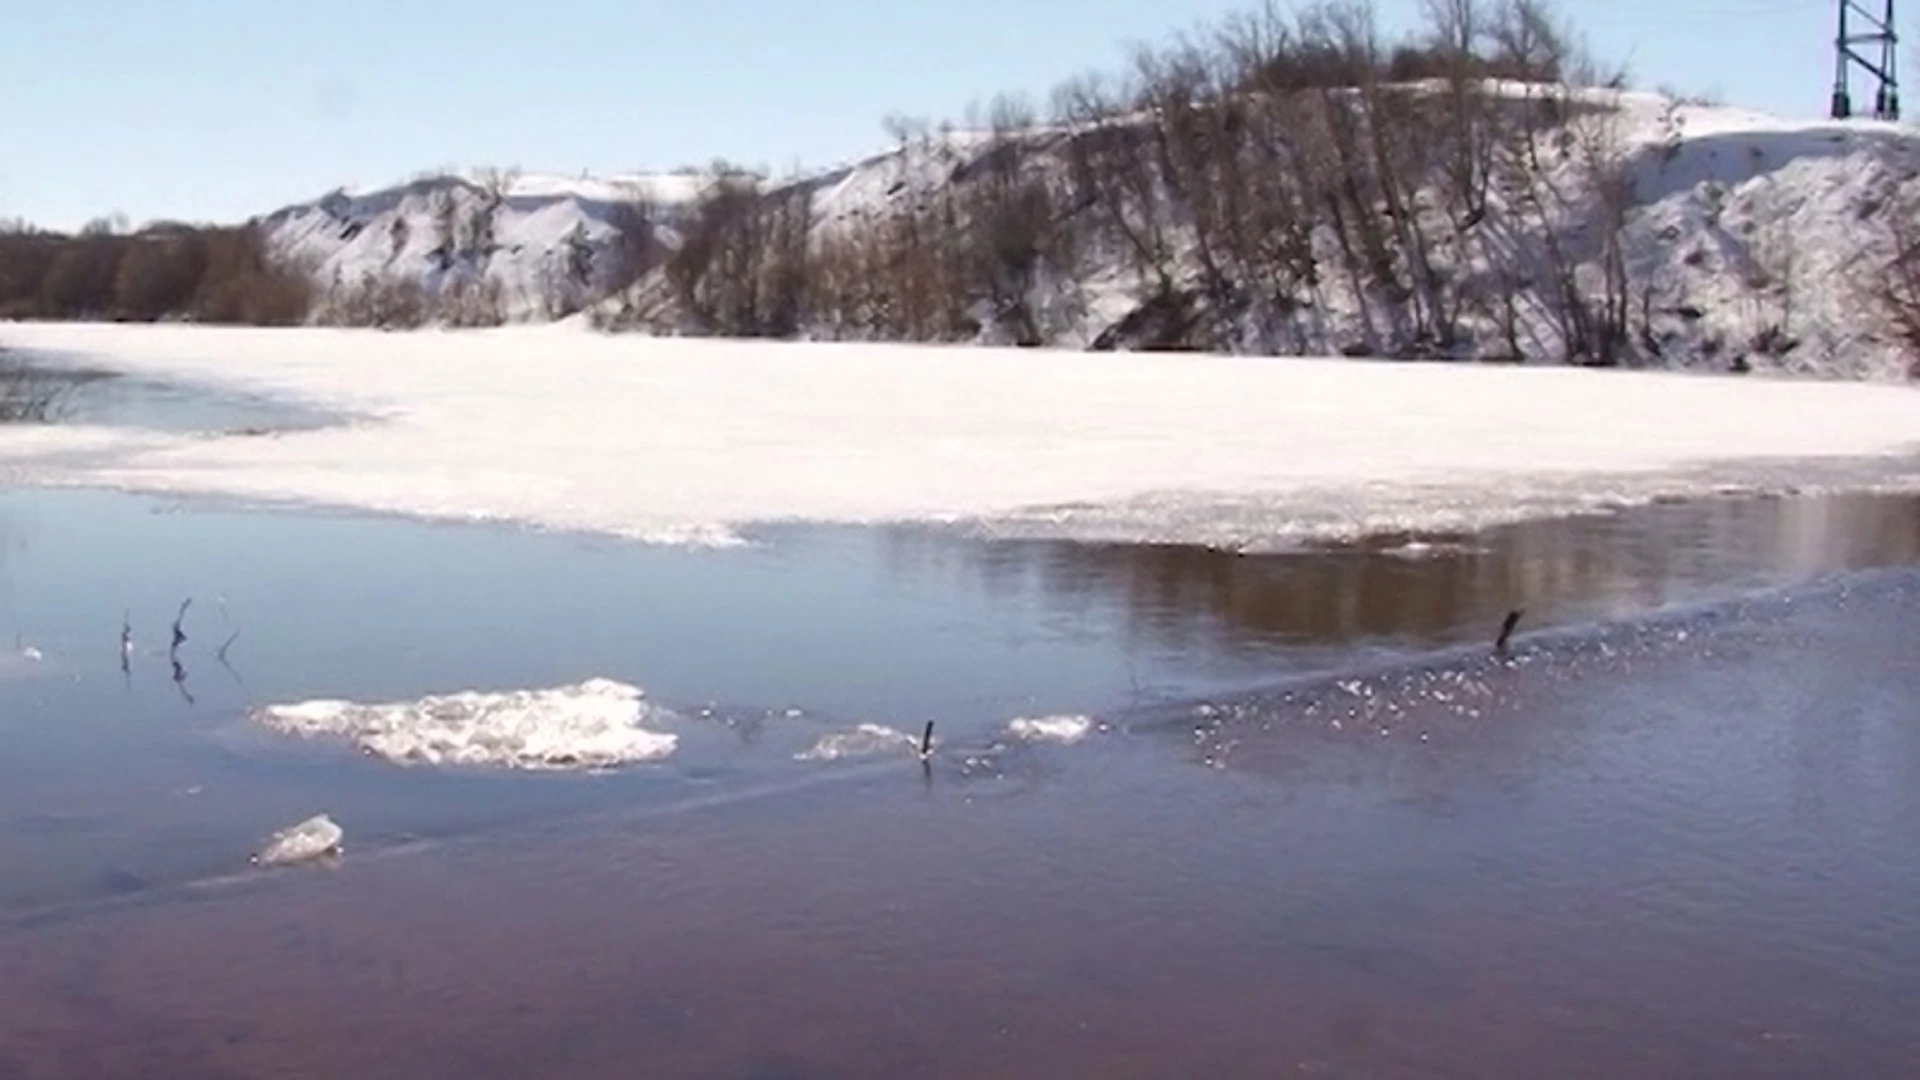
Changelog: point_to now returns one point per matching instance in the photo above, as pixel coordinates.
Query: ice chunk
(1058, 729)
(866, 740)
(314, 838)
(595, 724)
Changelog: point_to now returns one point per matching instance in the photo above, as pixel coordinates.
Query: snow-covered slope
(1752, 236)
(1747, 242)
(523, 247)
(562, 427)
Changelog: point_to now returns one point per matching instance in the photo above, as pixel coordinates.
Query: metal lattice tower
(1868, 42)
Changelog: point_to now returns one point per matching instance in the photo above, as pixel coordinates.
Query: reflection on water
(1429, 590)
(761, 651)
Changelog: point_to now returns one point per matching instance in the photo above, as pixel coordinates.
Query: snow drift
(596, 724)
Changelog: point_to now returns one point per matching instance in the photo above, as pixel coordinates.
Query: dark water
(1324, 831)
(52, 389)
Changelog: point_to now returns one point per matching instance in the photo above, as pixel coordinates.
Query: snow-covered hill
(1766, 239)
(481, 248)
(1745, 242)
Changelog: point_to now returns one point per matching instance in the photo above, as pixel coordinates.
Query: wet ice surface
(1670, 847)
(59, 389)
(811, 656)
(692, 441)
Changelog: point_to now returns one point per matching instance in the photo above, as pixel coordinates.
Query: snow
(1748, 236)
(562, 428)
(315, 838)
(596, 724)
(1749, 240)
(516, 233)
(656, 188)
(1056, 729)
(1748, 223)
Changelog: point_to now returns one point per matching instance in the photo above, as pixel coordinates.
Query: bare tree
(1006, 224)
(1895, 290)
(635, 244)
(1112, 178)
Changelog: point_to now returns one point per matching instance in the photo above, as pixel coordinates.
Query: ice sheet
(689, 441)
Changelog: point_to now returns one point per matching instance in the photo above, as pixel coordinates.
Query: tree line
(163, 271)
(1246, 179)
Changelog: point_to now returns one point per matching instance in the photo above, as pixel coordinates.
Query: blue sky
(217, 109)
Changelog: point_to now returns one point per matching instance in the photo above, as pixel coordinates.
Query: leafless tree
(635, 248)
(1895, 290)
(1111, 178)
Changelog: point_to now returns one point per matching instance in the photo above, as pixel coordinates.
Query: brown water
(1333, 836)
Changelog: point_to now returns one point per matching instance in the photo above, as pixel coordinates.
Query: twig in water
(926, 742)
(180, 680)
(220, 654)
(231, 638)
(1506, 631)
(179, 635)
(126, 643)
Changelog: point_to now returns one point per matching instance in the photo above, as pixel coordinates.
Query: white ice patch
(1056, 729)
(688, 441)
(596, 724)
(867, 740)
(314, 838)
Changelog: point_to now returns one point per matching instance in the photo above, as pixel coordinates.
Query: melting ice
(1059, 729)
(595, 724)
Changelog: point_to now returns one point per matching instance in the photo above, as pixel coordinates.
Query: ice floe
(1056, 729)
(595, 724)
(315, 838)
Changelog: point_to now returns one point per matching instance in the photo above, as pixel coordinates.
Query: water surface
(120, 781)
(1671, 849)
